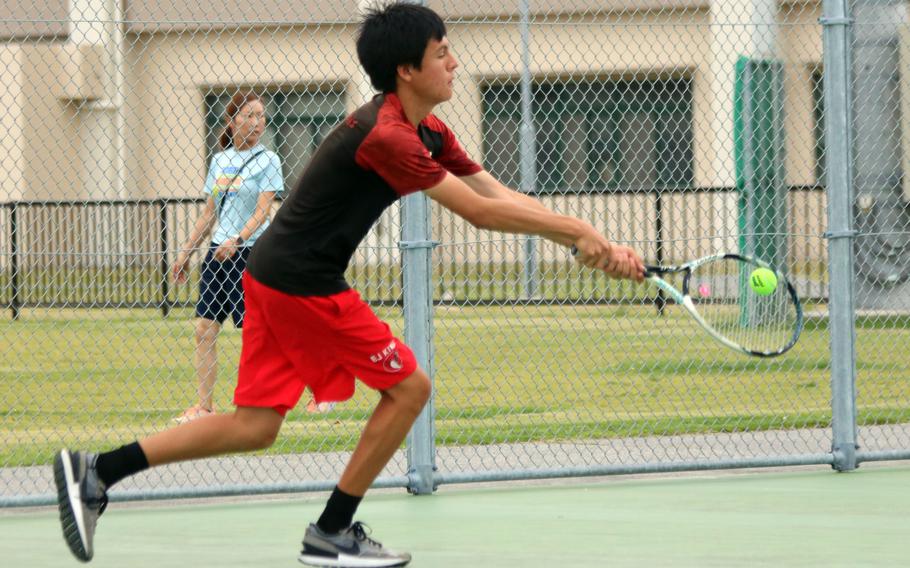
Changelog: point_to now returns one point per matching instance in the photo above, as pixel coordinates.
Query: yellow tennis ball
(763, 281)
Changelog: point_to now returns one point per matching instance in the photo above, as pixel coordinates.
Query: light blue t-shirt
(235, 197)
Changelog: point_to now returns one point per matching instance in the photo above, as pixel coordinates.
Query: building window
(623, 135)
(298, 120)
(818, 112)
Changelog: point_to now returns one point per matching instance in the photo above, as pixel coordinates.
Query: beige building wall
(12, 149)
(168, 74)
(801, 46)
(51, 131)
(801, 42)
(40, 136)
(583, 48)
(33, 20)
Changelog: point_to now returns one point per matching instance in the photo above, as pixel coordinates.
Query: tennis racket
(718, 293)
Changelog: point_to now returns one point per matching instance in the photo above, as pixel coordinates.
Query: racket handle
(649, 270)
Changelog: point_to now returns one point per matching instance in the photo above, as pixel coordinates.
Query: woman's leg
(206, 360)
(211, 309)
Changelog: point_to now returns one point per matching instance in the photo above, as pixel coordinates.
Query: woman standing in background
(241, 183)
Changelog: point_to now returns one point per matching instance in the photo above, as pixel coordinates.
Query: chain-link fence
(682, 127)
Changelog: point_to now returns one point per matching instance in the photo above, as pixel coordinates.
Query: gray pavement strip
(301, 469)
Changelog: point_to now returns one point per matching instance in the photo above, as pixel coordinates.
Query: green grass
(503, 374)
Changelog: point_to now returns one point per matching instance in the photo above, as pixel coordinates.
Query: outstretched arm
(488, 186)
(494, 209)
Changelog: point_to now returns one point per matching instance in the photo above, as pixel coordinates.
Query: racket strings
(723, 297)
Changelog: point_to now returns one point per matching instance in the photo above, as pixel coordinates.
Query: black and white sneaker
(350, 548)
(81, 498)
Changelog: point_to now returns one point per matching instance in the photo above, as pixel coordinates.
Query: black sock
(339, 512)
(122, 462)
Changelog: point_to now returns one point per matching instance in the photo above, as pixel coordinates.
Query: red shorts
(321, 342)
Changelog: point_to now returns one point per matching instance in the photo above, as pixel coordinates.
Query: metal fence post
(659, 300)
(416, 250)
(417, 289)
(838, 34)
(14, 261)
(530, 273)
(165, 269)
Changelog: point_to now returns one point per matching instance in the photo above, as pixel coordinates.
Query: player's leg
(83, 478)
(324, 342)
(246, 429)
(335, 540)
(387, 427)
(368, 350)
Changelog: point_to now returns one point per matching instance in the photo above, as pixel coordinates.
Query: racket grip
(649, 270)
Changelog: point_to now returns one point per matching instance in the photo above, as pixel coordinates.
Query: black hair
(395, 34)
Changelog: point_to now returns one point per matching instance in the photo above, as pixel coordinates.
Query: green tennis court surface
(808, 517)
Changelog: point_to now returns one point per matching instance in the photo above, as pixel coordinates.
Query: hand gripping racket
(753, 317)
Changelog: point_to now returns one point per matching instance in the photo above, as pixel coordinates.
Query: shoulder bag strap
(234, 178)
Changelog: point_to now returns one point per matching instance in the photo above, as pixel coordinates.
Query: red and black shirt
(364, 165)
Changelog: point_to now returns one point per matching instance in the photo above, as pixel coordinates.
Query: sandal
(193, 413)
(314, 407)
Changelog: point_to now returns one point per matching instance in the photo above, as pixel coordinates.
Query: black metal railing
(118, 253)
(94, 254)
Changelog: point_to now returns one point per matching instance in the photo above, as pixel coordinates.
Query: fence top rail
(188, 200)
(664, 190)
(100, 202)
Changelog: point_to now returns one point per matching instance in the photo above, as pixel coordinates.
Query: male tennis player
(305, 327)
